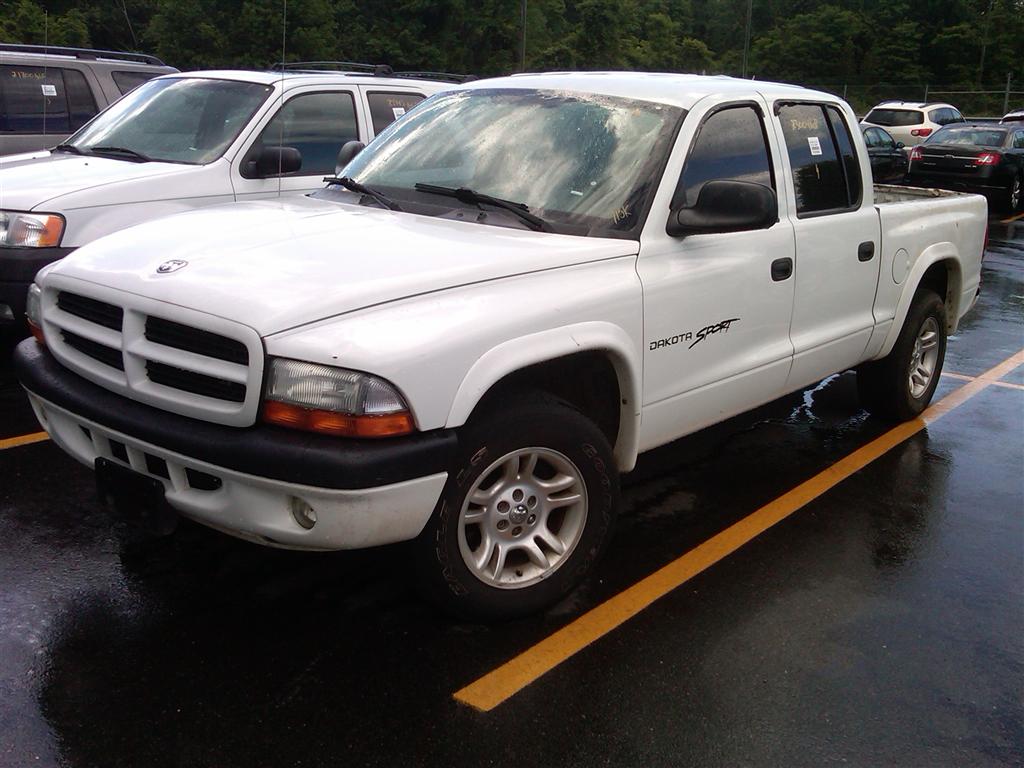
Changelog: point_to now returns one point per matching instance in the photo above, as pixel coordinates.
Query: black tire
(536, 420)
(1013, 200)
(884, 385)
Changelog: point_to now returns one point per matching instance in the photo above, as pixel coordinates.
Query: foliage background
(873, 49)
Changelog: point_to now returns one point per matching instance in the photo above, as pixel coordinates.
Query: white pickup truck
(539, 278)
(188, 141)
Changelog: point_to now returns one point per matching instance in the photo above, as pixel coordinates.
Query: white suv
(187, 141)
(912, 121)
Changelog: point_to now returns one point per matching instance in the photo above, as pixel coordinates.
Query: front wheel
(900, 386)
(524, 515)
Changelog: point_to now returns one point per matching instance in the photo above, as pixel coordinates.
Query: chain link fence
(990, 102)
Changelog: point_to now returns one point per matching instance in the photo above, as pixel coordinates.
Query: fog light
(303, 513)
(6, 313)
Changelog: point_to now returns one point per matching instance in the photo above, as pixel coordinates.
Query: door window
(1018, 140)
(886, 141)
(872, 137)
(316, 124)
(826, 174)
(730, 144)
(35, 100)
(385, 108)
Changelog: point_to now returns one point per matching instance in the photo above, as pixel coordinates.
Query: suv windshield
(979, 137)
(177, 120)
(891, 117)
(584, 163)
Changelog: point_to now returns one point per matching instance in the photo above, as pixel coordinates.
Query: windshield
(980, 137)
(587, 164)
(893, 117)
(176, 120)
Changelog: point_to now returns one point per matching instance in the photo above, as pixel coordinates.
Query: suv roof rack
(379, 70)
(82, 53)
(436, 76)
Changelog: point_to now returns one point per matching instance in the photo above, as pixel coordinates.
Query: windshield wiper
(354, 186)
(137, 157)
(464, 195)
(69, 148)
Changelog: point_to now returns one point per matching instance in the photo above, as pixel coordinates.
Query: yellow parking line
(497, 686)
(1012, 218)
(14, 442)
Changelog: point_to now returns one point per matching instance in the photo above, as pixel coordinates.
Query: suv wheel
(899, 386)
(525, 514)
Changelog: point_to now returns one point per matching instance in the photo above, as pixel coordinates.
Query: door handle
(866, 250)
(782, 269)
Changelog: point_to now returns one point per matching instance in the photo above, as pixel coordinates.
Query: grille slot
(196, 383)
(99, 312)
(95, 350)
(188, 339)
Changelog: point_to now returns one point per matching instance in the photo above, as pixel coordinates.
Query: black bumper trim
(18, 267)
(263, 451)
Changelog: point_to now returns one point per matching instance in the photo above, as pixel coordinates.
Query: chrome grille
(201, 366)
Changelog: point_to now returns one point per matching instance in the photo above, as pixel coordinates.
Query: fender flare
(933, 254)
(518, 353)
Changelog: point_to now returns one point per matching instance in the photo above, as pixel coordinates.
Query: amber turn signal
(339, 424)
(37, 333)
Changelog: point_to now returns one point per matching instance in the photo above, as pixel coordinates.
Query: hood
(275, 265)
(28, 181)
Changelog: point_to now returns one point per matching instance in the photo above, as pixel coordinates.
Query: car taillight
(916, 153)
(988, 158)
(921, 132)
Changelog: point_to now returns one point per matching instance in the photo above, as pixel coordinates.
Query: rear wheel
(900, 386)
(524, 515)
(1015, 194)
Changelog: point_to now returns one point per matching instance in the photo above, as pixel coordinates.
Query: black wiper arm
(69, 148)
(136, 156)
(473, 197)
(354, 186)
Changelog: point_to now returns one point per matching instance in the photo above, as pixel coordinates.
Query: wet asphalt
(882, 624)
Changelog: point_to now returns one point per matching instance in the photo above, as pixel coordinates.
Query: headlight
(30, 230)
(321, 398)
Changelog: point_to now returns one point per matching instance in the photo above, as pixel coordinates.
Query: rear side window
(729, 145)
(897, 117)
(826, 173)
(316, 124)
(1018, 140)
(35, 100)
(385, 108)
(129, 81)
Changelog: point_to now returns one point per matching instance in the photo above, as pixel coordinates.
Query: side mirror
(726, 206)
(348, 151)
(900, 145)
(276, 161)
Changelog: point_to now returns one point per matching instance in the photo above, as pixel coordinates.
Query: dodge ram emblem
(171, 266)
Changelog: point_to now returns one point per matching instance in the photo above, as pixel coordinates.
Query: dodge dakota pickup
(483, 319)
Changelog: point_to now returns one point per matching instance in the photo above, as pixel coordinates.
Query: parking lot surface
(879, 622)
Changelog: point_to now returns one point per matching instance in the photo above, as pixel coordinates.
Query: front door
(717, 306)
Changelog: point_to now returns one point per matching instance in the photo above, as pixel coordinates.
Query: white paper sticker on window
(814, 144)
(398, 112)
(49, 90)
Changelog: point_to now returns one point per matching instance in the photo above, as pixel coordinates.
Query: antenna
(280, 130)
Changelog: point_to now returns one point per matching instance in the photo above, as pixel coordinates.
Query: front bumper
(18, 267)
(246, 481)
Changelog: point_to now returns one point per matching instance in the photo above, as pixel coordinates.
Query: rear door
(41, 106)
(837, 240)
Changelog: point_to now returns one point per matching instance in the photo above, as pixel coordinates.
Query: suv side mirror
(900, 145)
(276, 161)
(348, 151)
(725, 205)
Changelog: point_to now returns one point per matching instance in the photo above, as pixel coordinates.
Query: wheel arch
(939, 269)
(609, 392)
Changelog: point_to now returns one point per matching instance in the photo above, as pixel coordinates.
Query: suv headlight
(30, 230)
(334, 401)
